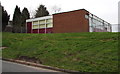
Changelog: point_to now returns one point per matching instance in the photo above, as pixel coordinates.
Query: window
(49, 25)
(49, 20)
(42, 25)
(35, 23)
(42, 22)
(35, 26)
(86, 16)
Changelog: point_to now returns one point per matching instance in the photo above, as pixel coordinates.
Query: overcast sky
(105, 9)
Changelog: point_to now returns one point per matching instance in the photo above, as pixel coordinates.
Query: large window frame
(96, 22)
(41, 24)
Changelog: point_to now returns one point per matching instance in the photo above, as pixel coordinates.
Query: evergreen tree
(41, 11)
(17, 20)
(25, 15)
(5, 18)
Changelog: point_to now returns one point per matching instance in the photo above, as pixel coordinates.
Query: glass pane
(49, 25)
(86, 16)
(49, 20)
(35, 27)
(35, 22)
(42, 26)
(42, 21)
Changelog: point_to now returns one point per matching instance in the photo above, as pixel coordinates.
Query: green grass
(0, 39)
(0, 44)
(84, 52)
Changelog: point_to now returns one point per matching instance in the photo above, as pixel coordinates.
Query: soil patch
(3, 47)
(29, 59)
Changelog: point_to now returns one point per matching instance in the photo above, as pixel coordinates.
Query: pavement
(15, 67)
(40, 66)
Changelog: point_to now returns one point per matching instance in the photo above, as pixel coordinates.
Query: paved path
(15, 67)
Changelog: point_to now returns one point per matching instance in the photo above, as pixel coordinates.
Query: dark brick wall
(68, 22)
(34, 30)
(29, 27)
(48, 30)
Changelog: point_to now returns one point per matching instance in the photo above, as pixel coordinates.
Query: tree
(32, 13)
(41, 11)
(5, 18)
(25, 15)
(17, 20)
(56, 9)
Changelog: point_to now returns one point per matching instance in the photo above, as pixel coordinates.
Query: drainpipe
(45, 26)
(31, 28)
(38, 27)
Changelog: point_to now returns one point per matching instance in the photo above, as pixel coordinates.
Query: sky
(105, 9)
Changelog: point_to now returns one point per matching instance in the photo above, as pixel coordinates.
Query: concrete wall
(69, 22)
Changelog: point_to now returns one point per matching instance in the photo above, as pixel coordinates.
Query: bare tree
(56, 9)
(32, 13)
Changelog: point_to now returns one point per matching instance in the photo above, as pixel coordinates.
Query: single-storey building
(68, 22)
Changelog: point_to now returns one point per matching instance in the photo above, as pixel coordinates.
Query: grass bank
(84, 52)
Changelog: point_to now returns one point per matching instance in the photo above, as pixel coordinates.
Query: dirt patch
(75, 37)
(29, 59)
(3, 47)
(76, 59)
(104, 40)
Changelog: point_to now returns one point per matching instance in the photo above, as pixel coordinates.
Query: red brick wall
(69, 22)
(48, 30)
(29, 27)
(35, 31)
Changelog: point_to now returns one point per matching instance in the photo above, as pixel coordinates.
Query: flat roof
(51, 16)
(39, 18)
(71, 11)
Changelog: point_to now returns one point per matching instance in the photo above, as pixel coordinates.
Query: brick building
(68, 22)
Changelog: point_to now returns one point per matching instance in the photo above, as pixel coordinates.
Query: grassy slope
(0, 44)
(85, 52)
